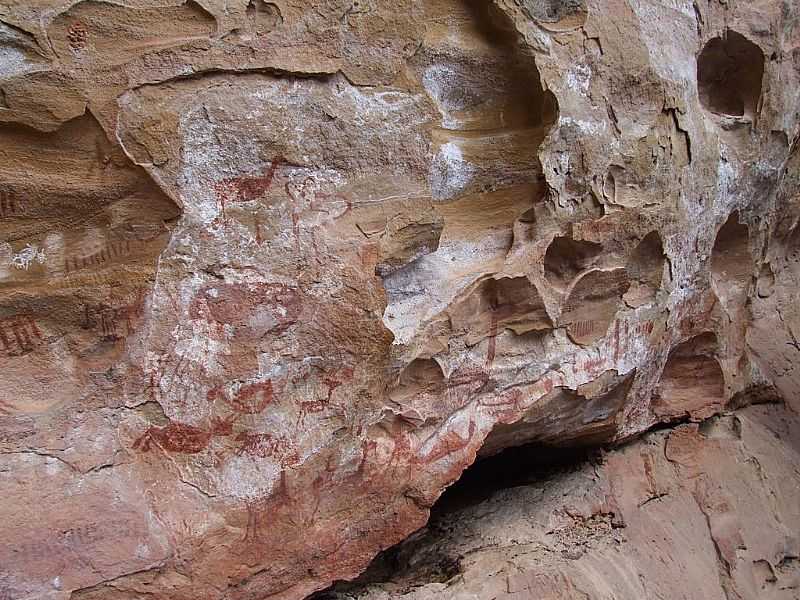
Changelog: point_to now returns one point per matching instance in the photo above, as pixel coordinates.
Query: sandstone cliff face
(704, 510)
(670, 516)
(273, 274)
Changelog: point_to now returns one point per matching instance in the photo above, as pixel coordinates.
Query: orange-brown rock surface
(705, 511)
(273, 274)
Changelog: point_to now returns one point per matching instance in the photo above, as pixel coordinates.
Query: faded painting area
(274, 275)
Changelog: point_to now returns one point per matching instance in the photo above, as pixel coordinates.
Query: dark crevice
(421, 560)
(555, 15)
(211, 72)
(513, 467)
(415, 561)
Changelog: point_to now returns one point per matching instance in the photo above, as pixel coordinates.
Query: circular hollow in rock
(566, 258)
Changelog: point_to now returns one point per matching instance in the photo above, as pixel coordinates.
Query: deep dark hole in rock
(516, 466)
(414, 561)
(729, 74)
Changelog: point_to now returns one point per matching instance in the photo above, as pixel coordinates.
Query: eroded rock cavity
(273, 275)
(729, 75)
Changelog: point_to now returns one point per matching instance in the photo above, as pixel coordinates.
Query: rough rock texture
(703, 511)
(273, 274)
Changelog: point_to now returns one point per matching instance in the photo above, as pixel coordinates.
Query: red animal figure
(506, 408)
(449, 443)
(336, 379)
(309, 407)
(266, 445)
(183, 438)
(246, 189)
(250, 399)
(306, 383)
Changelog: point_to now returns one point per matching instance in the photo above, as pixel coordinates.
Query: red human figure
(250, 399)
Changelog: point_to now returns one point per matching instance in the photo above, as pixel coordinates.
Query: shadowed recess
(564, 417)
(729, 73)
(645, 269)
(731, 262)
(591, 304)
(692, 383)
(566, 258)
(418, 560)
(498, 304)
(555, 15)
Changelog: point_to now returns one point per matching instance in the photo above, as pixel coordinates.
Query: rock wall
(273, 274)
(703, 511)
